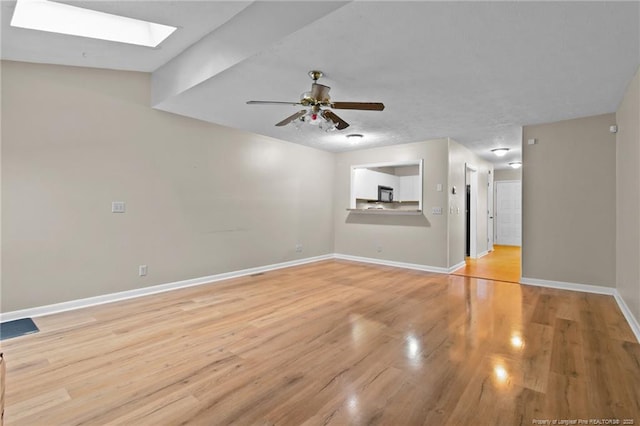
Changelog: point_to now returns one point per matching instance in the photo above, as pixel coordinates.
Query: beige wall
(628, 197)
(201, 199)
(507, 174)
(411, 239)
(458, 157)
(428, 239)
(569, 201)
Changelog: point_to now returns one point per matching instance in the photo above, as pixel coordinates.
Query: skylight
(61, 18)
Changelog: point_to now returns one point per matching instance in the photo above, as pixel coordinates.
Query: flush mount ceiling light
(500, 152)
(61, 18)
(516, 164)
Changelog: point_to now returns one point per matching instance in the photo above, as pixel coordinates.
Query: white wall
(201, 199)
(628, 197)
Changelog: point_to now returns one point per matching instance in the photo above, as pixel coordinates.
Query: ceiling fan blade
(366, 106)
(330, 115)
(320, 92)
(292, 118)
(272, 103)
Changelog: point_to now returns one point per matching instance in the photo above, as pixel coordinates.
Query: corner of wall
(627, 188)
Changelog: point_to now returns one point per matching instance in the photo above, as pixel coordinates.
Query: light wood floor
(501, 264)
(330, 343)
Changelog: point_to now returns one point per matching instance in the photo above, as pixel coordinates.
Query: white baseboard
(610, 291)
(130, 294)
(483, 254)
(631, 320)
(458, 266)
(586, 288)
(414, 266)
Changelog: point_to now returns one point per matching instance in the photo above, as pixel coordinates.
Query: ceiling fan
(320, 103)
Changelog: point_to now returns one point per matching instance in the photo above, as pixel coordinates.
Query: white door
(508, 214)
(490, 213)
(471, 173)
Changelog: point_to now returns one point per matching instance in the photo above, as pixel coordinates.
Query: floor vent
(17, 328)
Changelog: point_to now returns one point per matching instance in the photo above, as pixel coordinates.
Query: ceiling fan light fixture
(327, 125)
(314, 119)
(516, 164)
(500, 152)
(320, 107)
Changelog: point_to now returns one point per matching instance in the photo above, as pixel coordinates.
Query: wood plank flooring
(501, 264)
(332, 342)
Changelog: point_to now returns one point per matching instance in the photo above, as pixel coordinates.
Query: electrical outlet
(379, 249)
(298, 248)
(142, 270)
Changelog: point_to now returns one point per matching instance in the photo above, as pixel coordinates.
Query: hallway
(502, 264)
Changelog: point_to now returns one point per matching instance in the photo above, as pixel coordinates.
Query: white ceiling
(476, 72)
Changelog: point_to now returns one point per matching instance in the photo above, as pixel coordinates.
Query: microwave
(385, 194)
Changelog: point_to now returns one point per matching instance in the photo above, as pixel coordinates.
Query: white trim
(352, 194)
(610, 291)
(130, 294)
(388, 164)
(586, 288)
(483, 254)
(473, 208)
(414, 266)
(387, 212)
(631, 320)
(490, 210)
(458, 266)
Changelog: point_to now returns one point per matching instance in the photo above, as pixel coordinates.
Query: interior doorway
(502, 262)
(468, 219)
(471, 209)
(490, 212)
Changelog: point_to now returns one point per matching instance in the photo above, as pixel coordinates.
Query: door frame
(471, 179)
(490, 212)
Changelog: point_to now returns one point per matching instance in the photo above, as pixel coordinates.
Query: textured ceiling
(194, 20)
(475, 72)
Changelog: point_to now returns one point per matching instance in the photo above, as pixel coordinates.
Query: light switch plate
(439, 187)
(436, 210)
(117, 207)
